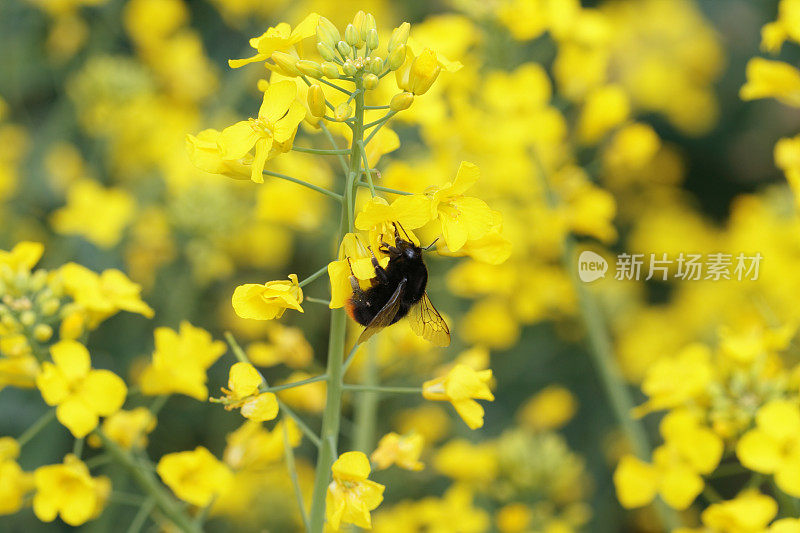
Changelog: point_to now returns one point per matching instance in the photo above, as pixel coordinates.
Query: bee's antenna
(431, 244)
(395, 224)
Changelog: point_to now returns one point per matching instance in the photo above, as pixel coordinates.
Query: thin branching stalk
(602, 354)
(146, 480)
(331, 417)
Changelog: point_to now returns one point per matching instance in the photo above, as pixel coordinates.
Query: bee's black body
(405, 264)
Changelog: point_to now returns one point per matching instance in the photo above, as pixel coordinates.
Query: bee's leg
(380, 272)
(357, 290)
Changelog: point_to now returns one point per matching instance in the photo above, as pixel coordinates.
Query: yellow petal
(636, 482)
(286, 127)
(52, 384)
(277, 99)
(263, 146)
(679, 486)
(243, 380)
(71, 358)
(467, 176)
(780, 419)
(758, 451)
(351, 466)
(470, 412)
(412, 211)
(235, 141)
(104, 391)
(260, 408)
(787, 477)
(77, 416)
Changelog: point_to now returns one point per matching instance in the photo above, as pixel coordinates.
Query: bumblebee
(398, 291)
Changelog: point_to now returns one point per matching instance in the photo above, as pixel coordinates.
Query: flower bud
(424, 72)
(399, 36)
(27, 318)
(370, 80)
(401, 101)
(50, 306)
(316, 101)
(327, 32)
(359, 24)
(372, 39)
(351, 36)
(376, 65)
(342, 112)
(370, 24)
(309, 68)
(330, 70)
(286, 62)
(397, 57)
(349, 68)
(344, 49)
(72, 326)
(42, 332)
(327, 53)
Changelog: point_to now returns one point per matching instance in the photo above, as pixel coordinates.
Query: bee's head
(407, 249)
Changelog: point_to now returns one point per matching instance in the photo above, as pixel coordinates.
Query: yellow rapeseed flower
(550, 408)
(461, 386)
(205, 153)
(280, 38)
(749, 511)
(81, 394)
(16, 483)
(463, 218)
(23, 256)
(402, 450)
(268, 301)
(671, 381)
(773, 446)
(255, 448)
(772, 79)
(272, 132)
(242, 392)
(98, 214)
(102, 295)
(195, 476)
(128, 429)
(70, 491)
(351, 496)
(180, 361)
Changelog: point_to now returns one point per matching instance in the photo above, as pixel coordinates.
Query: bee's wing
(426, 322)
(384, 316)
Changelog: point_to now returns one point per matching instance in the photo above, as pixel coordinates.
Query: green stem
(378, 125)
(36, 427)
(147, 482)
(366, 408)
(307, 431)
(333, 143)
(350, 358)
(331, 417)
(320, 151)
(340, 89)
(384, 189)
(77, 448)
(366, 167)
(317, 300)
(242, 357)
(276, 388)
(381, 388)
(323, 190)
(602, 354)
(315, 275)
(141, 517)
(288, 455)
